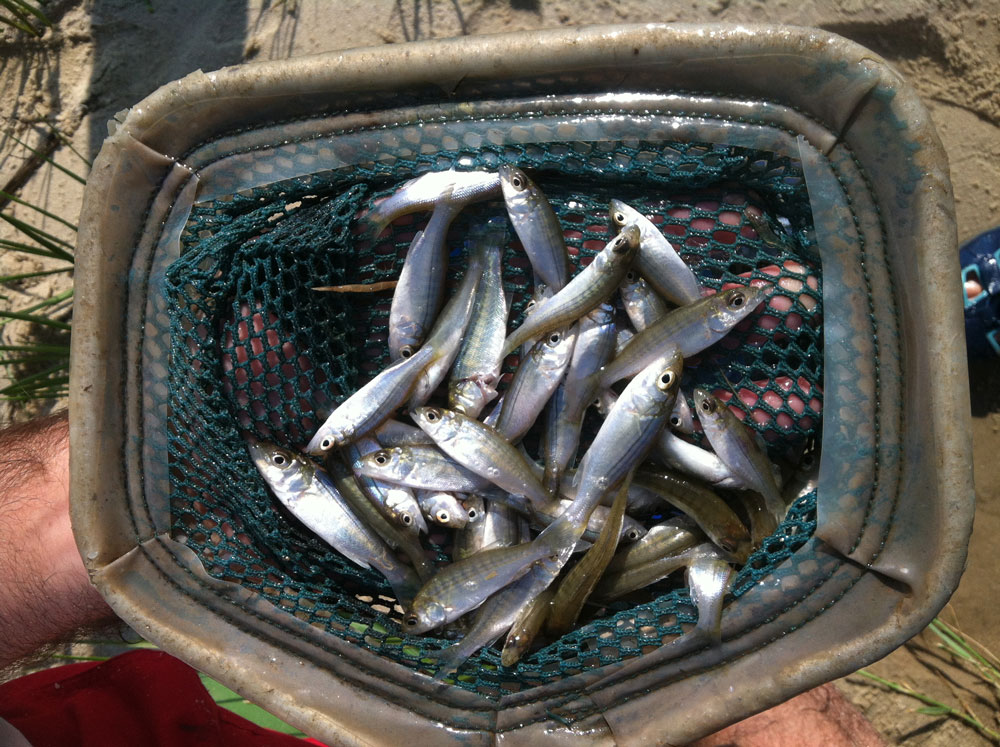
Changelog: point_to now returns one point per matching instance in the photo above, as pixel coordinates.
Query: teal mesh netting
(254, 350)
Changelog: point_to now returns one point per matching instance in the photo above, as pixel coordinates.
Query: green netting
(255, 351)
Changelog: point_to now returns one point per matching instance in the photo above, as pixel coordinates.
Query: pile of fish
(534, 541)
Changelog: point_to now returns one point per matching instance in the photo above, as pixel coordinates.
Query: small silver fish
(480, 448)
(535, 379)
(658, 261)
(457, 188)
(418, 294)
(591, 287)
(692, 328)
(642, 304)
(308, 493)
(739, 449)
(473, 379)
(424, 467)
(536, 226)
(443, 508)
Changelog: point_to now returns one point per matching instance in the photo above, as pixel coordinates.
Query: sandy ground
(104, 55)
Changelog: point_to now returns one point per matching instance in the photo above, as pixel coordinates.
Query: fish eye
(707, 405)
(530, 306)
(412, 621)
(554, 338)
(279, 460)
(737, 300)
(632, 534)
(621, 243)
(675, 421)
(619, 217)
(630, 276)
(666, 380)
(406, 519)
(406, 351)
(432, 415)
(473, 513)
(517, 181)
(326, 443)
(442, 516)
(381, 458)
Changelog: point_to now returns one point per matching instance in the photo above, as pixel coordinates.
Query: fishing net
(254, 350)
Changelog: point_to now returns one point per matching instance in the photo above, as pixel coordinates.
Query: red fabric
(142, 697)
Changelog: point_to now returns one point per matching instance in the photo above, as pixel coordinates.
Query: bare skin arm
(45, 593)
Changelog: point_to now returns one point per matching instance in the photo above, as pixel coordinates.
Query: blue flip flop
(980, 259)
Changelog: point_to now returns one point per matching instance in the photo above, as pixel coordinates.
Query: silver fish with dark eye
(308, 493)
(415, 377)
(419, 292)
(740, 449)
(481, 449)
(536, 378)
(658, 261)
(627, 433)
(691, 328)
(425, 467)
(591, 287)
(642, 304)
(476, 372)
(536, 226)
(452, 187)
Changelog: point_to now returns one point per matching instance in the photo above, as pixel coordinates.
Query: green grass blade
(63, 169)
(35, 348)
(26, 275)
(43, 211)
(17, 246)
(44, 238)
(34, 318)
(29, 8)
(67, 142)
(939, 707)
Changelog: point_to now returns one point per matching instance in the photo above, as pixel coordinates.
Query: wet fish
(536, 226)
(396, 503)
(537, 377)
(425, 467)
(591, 287)
(692, 328)
(420, 290)
(396, 433)
(682, 419)
(739, 449)
(463, 585)
(525, 627)
(658, 261)
(708, 510)
(642, 304)
(308, 493)
(457, 188)
(576, 586)
(480, 448)
(693, 460)
(443, 508)
(415, 377)
(708, 577)
(627, 433)
(408, 542)
(371, 404)
(498, 526)
(666, 548)
(473, 380)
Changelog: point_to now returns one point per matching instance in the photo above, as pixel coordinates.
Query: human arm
(45, 592)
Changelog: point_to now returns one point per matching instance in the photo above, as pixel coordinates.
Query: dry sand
(105, 55)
